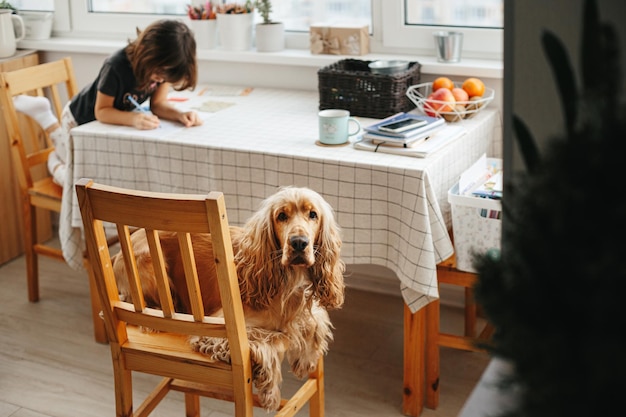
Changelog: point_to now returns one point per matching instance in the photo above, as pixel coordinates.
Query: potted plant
(203, 24)
(4, 4)
(270, 35)
(234, 25)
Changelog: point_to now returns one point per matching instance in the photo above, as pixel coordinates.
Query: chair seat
(47, 194)
(176, 344)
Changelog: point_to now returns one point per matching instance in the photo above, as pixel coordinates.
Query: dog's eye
(313, 214)
(282, 217)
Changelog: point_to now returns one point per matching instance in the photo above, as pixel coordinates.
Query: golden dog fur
(290, 272)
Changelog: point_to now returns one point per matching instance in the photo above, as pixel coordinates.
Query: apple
(440, 101)
(460, 95)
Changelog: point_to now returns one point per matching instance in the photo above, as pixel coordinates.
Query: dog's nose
(299, 243)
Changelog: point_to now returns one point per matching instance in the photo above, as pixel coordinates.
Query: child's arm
(160, 106)
(106, 113)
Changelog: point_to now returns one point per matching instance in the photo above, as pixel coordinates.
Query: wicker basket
(348, 84)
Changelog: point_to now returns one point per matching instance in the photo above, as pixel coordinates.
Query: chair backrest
(30, 150)
(104, 206)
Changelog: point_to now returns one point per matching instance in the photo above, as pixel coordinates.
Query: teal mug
(334, 126)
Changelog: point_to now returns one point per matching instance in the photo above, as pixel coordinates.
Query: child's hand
(145, 121)
(189, 119)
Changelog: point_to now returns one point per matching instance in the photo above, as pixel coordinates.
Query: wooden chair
(30, 148)
(166, 351)
(471, 340)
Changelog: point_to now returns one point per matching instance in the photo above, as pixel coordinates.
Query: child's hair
(166, 47)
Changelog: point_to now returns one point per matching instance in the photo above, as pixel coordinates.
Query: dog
(290, 273)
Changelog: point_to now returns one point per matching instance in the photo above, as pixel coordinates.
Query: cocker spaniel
(290, 273)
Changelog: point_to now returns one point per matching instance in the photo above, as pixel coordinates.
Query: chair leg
(316, 404)
(123, 386)
(99, 329)
(192, 405)
(30, 239)
(470, 313)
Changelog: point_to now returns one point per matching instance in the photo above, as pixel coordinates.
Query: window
(34, 5)
(457, 13)
(397, 26)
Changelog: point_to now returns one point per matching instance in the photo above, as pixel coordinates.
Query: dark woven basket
(350, 85)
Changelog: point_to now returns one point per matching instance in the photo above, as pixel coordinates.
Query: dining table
(393, 209)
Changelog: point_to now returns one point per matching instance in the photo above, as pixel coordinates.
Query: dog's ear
(258, 260)
(328, 268)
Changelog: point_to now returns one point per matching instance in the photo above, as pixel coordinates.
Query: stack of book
(431, 135)
(403, 129)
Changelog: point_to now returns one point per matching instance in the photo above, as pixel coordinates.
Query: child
(162, 57)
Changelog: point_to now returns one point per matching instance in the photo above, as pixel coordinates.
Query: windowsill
(288, 57)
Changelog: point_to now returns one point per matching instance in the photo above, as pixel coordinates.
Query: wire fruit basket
(419, 93)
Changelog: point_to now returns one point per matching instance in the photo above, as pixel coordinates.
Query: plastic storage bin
(476, 226)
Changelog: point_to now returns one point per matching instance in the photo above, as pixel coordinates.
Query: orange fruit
(442, 82)
(474, 87)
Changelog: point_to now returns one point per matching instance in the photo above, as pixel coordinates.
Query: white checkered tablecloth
(392, 209)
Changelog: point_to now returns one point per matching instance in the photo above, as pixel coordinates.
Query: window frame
(477, 42)
(389, 32)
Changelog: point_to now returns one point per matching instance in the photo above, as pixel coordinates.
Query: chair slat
(162, 280)
(37, 77)
(38, 157)
(154, 319)
(55, 100)
(132, 274)
(191, 275)
(229, 292)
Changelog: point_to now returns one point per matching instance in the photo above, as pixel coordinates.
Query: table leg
(414, 361)
(432, 354)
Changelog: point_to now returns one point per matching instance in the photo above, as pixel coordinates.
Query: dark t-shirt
(115, 79)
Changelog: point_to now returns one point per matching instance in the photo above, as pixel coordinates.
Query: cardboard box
(476, 224)
(339, 40)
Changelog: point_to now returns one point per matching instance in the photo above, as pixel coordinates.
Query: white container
(38, 24)
(235, 31)
(476, 226)
(205, 32)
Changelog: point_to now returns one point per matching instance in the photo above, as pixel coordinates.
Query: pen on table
(138, 106)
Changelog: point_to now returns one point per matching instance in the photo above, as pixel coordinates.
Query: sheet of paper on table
(224, 90)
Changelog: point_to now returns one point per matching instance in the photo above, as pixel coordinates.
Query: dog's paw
(270, 398)
(302, 368)
(216, 348)
(147, 330)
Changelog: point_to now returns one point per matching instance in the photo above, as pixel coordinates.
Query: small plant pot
(38, 24)
(235, 31)
(270, 37)
(205, 32)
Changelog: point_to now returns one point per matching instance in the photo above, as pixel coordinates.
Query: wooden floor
(51, 366)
